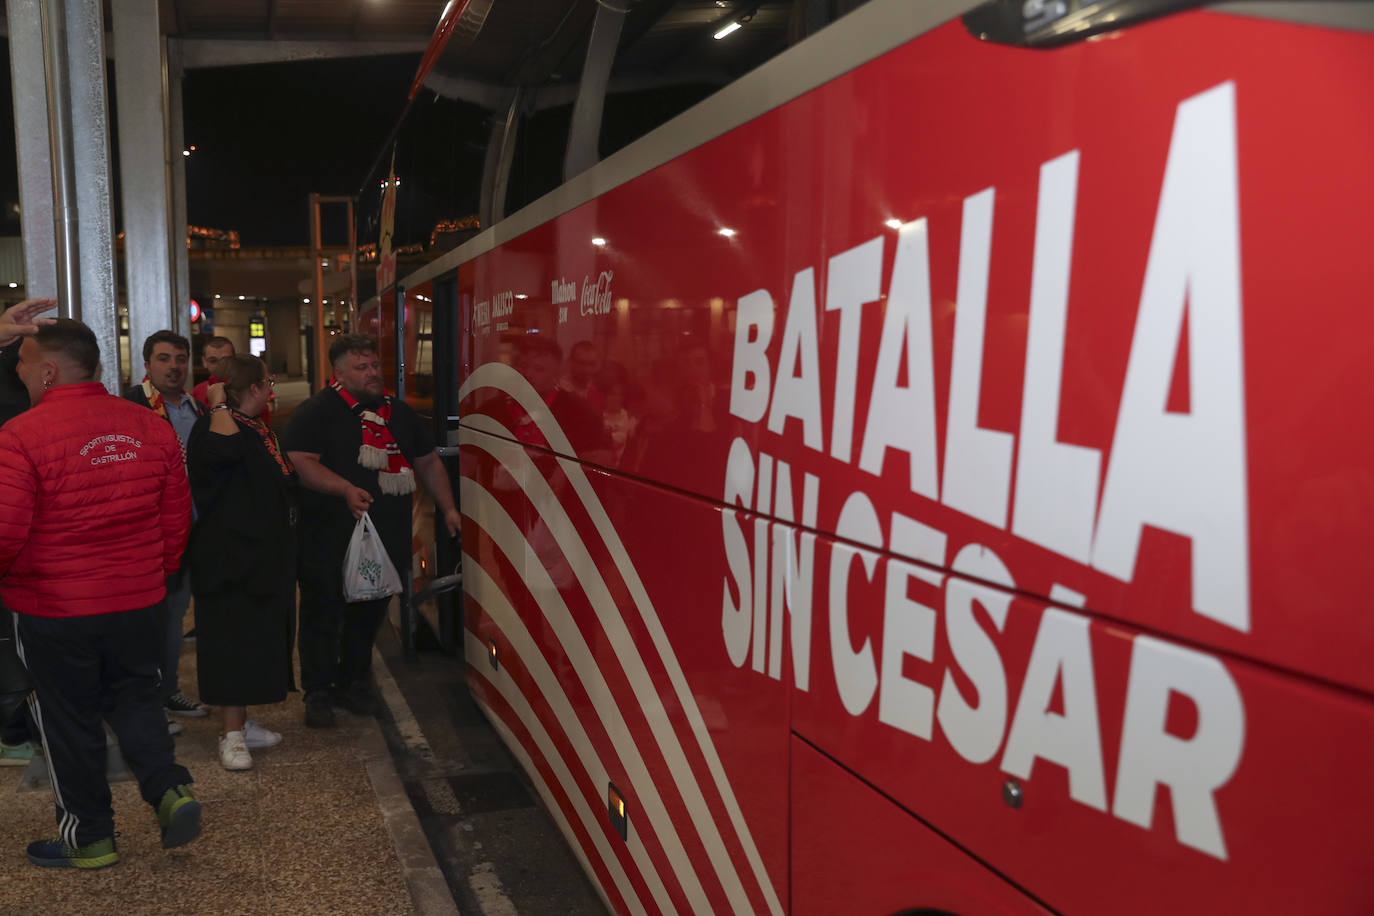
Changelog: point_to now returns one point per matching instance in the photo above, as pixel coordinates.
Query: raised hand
(22, 319)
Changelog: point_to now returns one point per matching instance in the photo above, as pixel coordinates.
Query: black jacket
(14, 398)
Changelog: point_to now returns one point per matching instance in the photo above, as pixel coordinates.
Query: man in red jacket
(94, 513)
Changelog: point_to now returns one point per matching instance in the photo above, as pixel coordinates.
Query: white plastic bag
(368, 572)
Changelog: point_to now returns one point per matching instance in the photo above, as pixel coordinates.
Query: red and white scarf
(379, 451)
(269, 439)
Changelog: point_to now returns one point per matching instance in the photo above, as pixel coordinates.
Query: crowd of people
(116, 512)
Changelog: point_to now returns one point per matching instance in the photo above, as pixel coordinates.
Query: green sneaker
(56, 853)
(17, 755)
(179, 816)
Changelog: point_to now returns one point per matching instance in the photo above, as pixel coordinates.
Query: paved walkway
(321, 824)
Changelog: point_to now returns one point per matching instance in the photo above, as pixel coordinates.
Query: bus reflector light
(615, 807)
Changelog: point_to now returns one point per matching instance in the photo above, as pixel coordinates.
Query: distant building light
(216, 295)
(241, 298)
(599, 242)
(732, 27)
(306, 301)
(324, 301)
(185, 152)
(14, 286)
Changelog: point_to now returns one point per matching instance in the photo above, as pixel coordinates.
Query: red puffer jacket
(94, 505)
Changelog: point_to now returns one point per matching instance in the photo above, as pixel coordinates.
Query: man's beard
(368, 399)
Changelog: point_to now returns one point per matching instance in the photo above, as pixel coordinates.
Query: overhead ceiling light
(894, 223)
(728, 233)
(732, 27)
(599, 242)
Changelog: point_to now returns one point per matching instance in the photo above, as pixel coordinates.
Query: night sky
(265, 138)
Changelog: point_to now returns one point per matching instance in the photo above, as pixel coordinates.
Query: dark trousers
(85, 669)
(173, 623)
(335, 637)
(19, 728)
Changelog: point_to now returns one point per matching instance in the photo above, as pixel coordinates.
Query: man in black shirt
(357, 450)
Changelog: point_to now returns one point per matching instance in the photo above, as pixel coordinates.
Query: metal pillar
(176, 142)
(144, 170)
(322, 367)
(30, 85)
(584, 135)
(496, 168)
(74, 41)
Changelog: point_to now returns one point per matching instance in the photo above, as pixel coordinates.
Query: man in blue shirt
(167, 360)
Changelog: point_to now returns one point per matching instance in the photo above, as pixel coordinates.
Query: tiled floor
(314, 827)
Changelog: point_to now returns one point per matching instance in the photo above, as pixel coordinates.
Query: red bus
(936, 472)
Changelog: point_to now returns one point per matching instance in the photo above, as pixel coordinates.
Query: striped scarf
(154, 398)
(269, 439)
(379, 451)
(155, 402)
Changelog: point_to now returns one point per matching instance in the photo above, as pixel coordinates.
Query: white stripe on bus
(507, 379)
(483, 508)
(487, 593)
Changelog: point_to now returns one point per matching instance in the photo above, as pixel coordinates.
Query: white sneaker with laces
(255, 736)
(233, 752)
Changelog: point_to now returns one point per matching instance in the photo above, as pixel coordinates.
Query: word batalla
(1182, 472)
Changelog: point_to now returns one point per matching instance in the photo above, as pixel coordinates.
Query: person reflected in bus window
(341, 480)
(700, 426)
(581, 377)
(618, 411)
(538, 359)
(96, 514)
(242, 556)
(656, 413)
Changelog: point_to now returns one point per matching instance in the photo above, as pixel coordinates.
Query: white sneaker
(255, 736)
(233, 752)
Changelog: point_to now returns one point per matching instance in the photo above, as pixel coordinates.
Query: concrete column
(30, 85)
(144, 170)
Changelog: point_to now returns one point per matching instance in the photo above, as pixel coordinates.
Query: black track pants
(85, 669)
(335, 637)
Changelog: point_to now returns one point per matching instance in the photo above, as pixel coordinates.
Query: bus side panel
(600, 633)
(854, 851)
(1251, 477)
(1130, 756)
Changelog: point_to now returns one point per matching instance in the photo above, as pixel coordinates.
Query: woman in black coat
(243, 557)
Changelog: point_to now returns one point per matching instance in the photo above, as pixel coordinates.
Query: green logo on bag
(370, 570)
